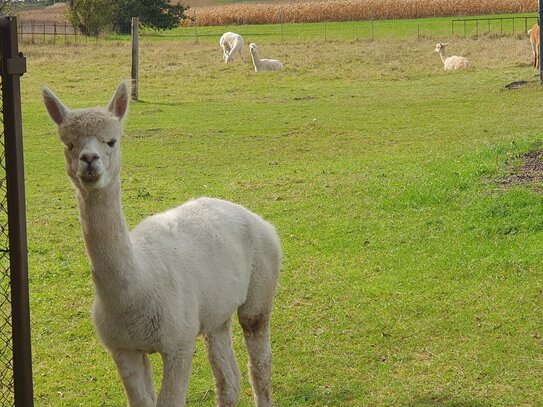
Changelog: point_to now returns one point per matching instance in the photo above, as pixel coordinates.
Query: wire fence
(39, 32)
(501, 25)
(31, 31)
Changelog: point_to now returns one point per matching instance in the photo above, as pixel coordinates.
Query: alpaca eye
(69, 146)
(111, 143)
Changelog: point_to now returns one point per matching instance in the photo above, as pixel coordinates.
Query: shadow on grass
(444, 400)
(145, 102)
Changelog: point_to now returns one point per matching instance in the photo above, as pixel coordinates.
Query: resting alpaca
(263, 64)
(534, 41)
(177, 275)
(450, 63)
(231, 43)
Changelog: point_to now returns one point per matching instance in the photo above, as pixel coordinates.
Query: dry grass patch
(53, 14)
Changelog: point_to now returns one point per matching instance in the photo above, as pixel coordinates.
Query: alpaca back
(231, 43)
(207, 250)
(270, 65)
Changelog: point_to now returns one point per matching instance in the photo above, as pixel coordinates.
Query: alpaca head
(441, 46)
(252, 47)
(91, 138)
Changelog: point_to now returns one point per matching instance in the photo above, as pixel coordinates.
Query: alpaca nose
(88, 157)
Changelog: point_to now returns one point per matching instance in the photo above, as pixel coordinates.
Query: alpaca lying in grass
(179, 274)
(450, 63)
(263, 64)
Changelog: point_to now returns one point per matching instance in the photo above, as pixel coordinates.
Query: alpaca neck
(443, 54)
(256, 60)
(107, 240)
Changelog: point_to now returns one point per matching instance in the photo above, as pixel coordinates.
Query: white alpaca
(450, 63)
(177, 275)
(263, 64)
(231, 43)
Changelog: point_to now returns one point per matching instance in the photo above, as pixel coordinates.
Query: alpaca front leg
(135, 371)
(175, 379)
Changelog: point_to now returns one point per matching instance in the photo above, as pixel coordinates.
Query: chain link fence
(15, 353)
(7, 389)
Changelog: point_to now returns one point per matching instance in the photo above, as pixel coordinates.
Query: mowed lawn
(411, 274)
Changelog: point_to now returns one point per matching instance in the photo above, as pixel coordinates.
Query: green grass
(410, 276)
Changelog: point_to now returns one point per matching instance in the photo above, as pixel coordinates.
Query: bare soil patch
(529, 172)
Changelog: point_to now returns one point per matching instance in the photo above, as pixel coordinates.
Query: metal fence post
(282, 30)
(13, 66)
(135, 56)
(195, 28)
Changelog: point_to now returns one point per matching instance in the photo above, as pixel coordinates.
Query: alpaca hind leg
(175, 377)
(224, 365)
(256, 332)
(135, 371)
(255, 313)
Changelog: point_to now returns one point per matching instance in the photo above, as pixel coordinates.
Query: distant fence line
(34, 31)
(485, 25)
(48, 32)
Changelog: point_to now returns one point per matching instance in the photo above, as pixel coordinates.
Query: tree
(157, 14)
(8, 6)
(93, 16)
(90, 16)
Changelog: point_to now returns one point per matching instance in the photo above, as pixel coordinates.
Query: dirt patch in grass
(529, 172)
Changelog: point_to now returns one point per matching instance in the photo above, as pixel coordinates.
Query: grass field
(411, 276)
(492, 25)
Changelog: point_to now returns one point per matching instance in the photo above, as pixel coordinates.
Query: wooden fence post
(135, 56)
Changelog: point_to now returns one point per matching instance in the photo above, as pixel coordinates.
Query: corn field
(348, 10)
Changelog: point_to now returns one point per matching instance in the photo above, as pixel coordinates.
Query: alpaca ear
(119, 103)
(57, 111)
